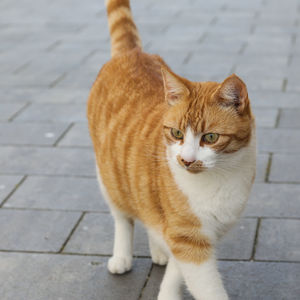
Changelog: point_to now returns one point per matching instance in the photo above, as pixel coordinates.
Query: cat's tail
(123, 32)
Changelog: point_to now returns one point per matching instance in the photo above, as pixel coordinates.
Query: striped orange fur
(132, 107)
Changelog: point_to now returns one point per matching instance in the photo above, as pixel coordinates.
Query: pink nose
(187, 163)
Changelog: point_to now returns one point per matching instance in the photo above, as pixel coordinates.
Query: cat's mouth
(194, 167)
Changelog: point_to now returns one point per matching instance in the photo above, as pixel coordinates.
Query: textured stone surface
(238, 243)
(274, 200)
(278, 140)
(46, 161)
(261, 167)
(35, 230)
(59, 193)
(69, 277)
(285, 168)
(279, 240)
(95, 235)
(290, 118)
(265, 117)
(53, 113)
(30, 133)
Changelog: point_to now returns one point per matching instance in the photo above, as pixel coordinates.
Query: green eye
(177, 133)
(210, 138)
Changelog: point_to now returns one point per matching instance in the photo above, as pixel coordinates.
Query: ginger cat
(175, 154)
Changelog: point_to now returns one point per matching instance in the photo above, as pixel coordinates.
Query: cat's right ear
(175, 89)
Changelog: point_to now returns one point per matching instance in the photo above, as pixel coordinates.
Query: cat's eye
(177, 134)
(210, 138)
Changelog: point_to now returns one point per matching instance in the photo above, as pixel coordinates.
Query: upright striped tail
(123, 32)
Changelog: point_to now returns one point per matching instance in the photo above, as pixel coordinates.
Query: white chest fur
(217, 196)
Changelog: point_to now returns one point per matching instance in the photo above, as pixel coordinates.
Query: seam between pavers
(255, 239)
(268, 170)
(26, 105)
(138, 256)
(71, 233)
(145, 283)
(13, 190)
(63, 134)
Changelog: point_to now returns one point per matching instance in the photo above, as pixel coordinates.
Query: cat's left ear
(233, 92)
(175, 88)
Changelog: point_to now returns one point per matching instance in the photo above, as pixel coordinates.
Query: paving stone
(265, 117)
(78, 135)
(59, 95)
(8, 110)
(95, 235)
(238, 243)
(58, 193)
(46, 276)
(24, 230)
(47, 161)
(274, 200)
(274, 99)
(18, 95)
(289, 118)
(7, 185)
(278, 140)
(245, 280)
(285, 168)
(278, 239)
(54, 112)
(13, 133)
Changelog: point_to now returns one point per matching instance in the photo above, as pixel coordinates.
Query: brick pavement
(56, 232)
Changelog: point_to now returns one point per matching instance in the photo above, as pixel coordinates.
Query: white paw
(159, 258)
(119, 265)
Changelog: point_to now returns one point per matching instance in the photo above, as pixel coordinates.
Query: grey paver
(24, 230)
(265, 117)
(47, 161)
(95, 235)
(13, 133)
(8, 110)
(67, 277)
(278, 239)
(274, 200)
(285, 168)
(245, 280)
(54, 113)
(274, 99)
(78, 135)
(289, 118)
(58, 193)
(238, 243)
(7, 185)
(279, 140)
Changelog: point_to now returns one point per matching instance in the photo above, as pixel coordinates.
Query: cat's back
(131, 81)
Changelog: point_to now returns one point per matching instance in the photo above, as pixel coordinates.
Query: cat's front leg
(203, 280)
(170, 288)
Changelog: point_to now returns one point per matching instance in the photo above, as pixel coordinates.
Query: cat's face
(206, 122)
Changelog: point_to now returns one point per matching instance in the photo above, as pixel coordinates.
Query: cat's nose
(187, 163)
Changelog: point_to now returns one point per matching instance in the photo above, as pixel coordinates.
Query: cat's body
(186, 191)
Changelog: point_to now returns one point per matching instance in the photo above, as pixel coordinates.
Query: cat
(178, 155)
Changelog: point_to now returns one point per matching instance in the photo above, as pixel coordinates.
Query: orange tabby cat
(175, 154)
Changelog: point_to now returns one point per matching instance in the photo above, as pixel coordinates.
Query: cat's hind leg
(121, 261)
(158, 255)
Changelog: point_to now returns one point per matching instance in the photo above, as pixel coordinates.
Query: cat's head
(206, 121)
